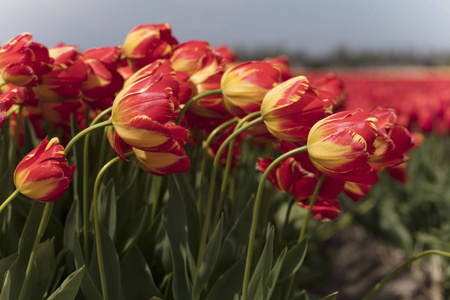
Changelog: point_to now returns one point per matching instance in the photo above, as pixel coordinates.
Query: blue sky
(315, 27)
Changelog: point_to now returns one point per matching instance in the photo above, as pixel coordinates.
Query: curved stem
(292, 280)
(101, 115)
(42, 225)
(84, 132)
(399, 268)
(212, 183)
(205, 155)
(98, 242)
(9, 200)
(227, 168)
(248, 263)
(194, 99)
(310, 207)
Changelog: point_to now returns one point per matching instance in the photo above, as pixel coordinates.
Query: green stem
(310, 207)
(226, 171)
(42, 225)
(98, 242)
(293, 278)
(3, 83)
(209, 200)
(9, 200)
(84, 132)
(85, 198)
(251, 246)
(101, 115)
(12, 110)
(194, 99)
(205, 156)
(399, 268)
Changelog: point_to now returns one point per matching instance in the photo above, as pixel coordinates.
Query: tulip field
(160, 169)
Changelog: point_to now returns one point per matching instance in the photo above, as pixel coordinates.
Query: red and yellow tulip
(292, 107)
(23, 62)
(245, 85)
(44, 174)
(340, 146)
(6, 101)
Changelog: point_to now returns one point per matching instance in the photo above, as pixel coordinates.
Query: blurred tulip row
(190, 110)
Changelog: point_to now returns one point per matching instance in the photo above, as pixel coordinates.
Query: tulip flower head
(23, 62)
(245, 85)
(44, 174)
(341, 144)
(291, 108)
(147, 43)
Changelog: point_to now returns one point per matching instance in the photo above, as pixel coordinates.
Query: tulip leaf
(275, 272)
(5, 264)
(332, 296)
(43, 270)
(73, 224)
(137, 279)
(294, 259)
(174, 222)
(111, 265)
(257, 288)
(69, 288)
(88, 287)
(187, 195)
(208, 261)
(229, 284)
(107, 208)
(134, 229)
(6, 288)
(18, 268)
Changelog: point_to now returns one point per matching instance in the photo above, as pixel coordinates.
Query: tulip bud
(341, 144)
(44, 174)
(147, 43)
(291, 108)
(162, 163)
(245, 85)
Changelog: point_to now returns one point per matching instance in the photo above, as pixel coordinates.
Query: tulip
(6, 101)
(23, 62)
(141, 113)
(147, 43)
(227, 54)
(245, 85)
(282, 63)
(392, 141)
(292, 107)
(197, 59)
(162, 163)
(66, 78)
(44, 174)
(341, 144)
(103, 80)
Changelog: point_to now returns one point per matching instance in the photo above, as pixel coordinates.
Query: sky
(314, 27)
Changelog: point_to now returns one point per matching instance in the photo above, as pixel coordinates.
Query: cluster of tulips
(157, 98)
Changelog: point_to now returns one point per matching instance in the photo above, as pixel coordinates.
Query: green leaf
(229, 284)
(5, 264)
(69, 288)
(257, 288)
(294, 260)
(192, 218)
(18, 268)
(137, 279)
(6, 288)
(88, 287)
(275, 272)
(208, 261)
(107, 208)
(73, 224)
(111, 264)
(332, 296)
(174, 222)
